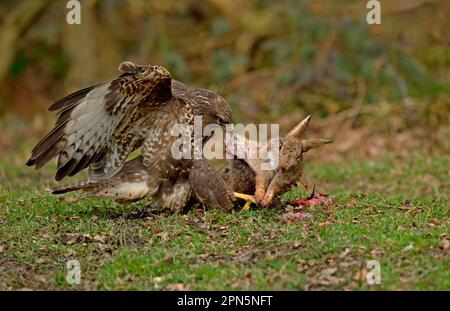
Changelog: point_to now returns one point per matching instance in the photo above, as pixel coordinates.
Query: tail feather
(72, 187)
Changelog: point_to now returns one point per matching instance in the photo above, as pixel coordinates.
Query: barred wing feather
(101, 125)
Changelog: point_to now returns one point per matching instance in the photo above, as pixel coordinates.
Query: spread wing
(209, 186)
(99, 126)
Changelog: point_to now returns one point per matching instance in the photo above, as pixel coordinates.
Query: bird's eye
(281, 169)
(221, 121)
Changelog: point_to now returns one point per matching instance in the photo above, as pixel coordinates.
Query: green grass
(395, 210)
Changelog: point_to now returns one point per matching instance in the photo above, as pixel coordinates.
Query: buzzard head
(213, 108)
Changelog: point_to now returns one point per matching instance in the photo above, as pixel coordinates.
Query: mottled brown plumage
(100, 126)
(209, 186)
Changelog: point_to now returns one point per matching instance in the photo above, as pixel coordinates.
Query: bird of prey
(98, 127)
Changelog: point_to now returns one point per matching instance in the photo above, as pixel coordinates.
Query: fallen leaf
(328, 271)
(296, 216)
(176, 287)
(99, 238)
(352, 202)
(223, 229)
(324, 224)
(408, 248)
(445, 244)
(297, 244)
(289, 208)
(345, 253)
(41, 278)
(158, 279)
(164, 236)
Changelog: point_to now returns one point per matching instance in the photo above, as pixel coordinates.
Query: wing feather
(209, 186)
(96, 125)
(74, 97)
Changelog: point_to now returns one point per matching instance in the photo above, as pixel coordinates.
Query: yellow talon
(246, 207)
(248, 198)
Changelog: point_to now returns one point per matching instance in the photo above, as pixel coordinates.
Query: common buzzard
(98, 127)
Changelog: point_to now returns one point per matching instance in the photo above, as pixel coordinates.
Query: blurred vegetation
(274, 61)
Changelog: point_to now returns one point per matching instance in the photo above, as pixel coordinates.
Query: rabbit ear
(309, 144)
(300, 128)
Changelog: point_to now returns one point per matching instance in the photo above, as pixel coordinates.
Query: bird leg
(248, 200)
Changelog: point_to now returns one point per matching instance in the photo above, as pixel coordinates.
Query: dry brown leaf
(296, 216)
(445, 244)
(176, 287)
